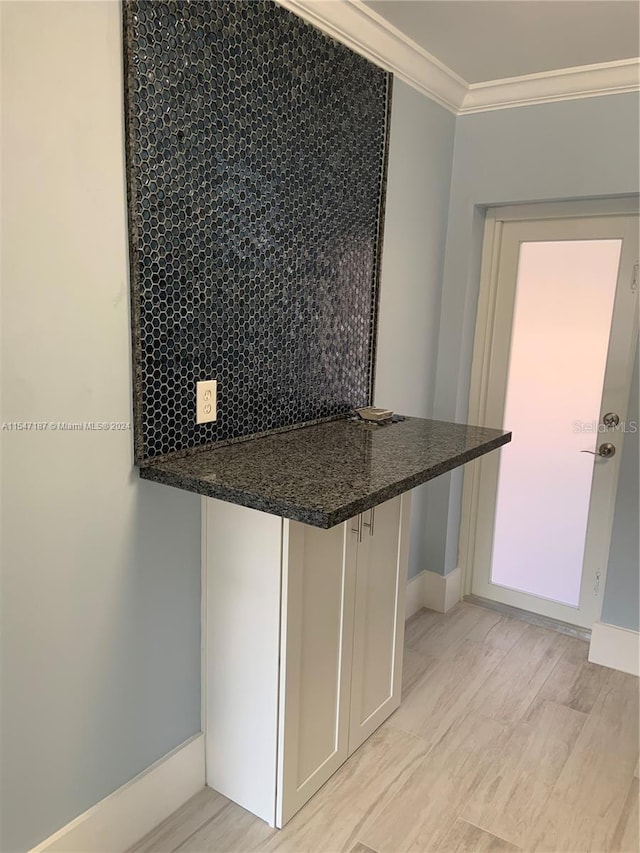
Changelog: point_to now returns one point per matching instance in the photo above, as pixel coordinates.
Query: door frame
(495, 217)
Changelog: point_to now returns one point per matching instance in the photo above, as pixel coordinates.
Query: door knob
(606, 450)
(610, 420)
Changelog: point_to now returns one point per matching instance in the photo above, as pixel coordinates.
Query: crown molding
(565, 84)
(367, 33)
(353, 23)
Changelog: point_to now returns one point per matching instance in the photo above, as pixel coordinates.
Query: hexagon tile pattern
(256, 158)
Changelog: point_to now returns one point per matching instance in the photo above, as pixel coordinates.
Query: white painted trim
(442, 592)
(126, 815)
(452, 588)
(564, 84)
(473, 524)
(369, 34)
(415, 595)
(617, 648)
(628, 205)
(434, 591)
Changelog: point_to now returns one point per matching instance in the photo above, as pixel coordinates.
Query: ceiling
(484, 40)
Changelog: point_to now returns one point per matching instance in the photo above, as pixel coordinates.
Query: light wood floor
(507, 739)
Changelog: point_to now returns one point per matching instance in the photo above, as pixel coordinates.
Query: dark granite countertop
(327, 473)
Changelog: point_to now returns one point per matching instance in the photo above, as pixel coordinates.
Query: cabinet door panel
(379, 618)
(317, 625)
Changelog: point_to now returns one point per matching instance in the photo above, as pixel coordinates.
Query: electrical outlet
(206, 401)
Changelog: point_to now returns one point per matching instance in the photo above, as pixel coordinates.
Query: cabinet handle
(370, 524)
(358, 529)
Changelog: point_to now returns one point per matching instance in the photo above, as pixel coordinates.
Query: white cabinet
(302, 649)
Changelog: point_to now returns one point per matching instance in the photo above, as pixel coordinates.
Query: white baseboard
(126, 815)
(615, 647)
(415, 595)
(452, 588)
(434, 591)
(442, 592)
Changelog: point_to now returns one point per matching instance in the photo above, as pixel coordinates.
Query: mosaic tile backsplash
(256, 170)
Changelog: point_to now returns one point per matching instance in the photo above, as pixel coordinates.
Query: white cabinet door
(379, 618)
(300, 669)
(316, 642)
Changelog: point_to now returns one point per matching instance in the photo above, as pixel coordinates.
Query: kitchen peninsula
(305, 551)
(326, 473)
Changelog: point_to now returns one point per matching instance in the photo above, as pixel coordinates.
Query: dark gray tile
(256, 158)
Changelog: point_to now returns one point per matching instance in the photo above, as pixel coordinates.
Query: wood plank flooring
(507, 740)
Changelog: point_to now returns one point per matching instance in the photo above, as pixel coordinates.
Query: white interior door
(555, 343)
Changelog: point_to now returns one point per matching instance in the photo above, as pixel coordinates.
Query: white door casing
(505, 229)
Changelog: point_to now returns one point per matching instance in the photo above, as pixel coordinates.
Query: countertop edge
(394, 489)
(314, 517)
(272, 506)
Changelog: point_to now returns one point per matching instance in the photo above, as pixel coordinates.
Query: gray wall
(622, 590)
(420, 159)
(100, 586)
(101, 572)
(568, 150)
